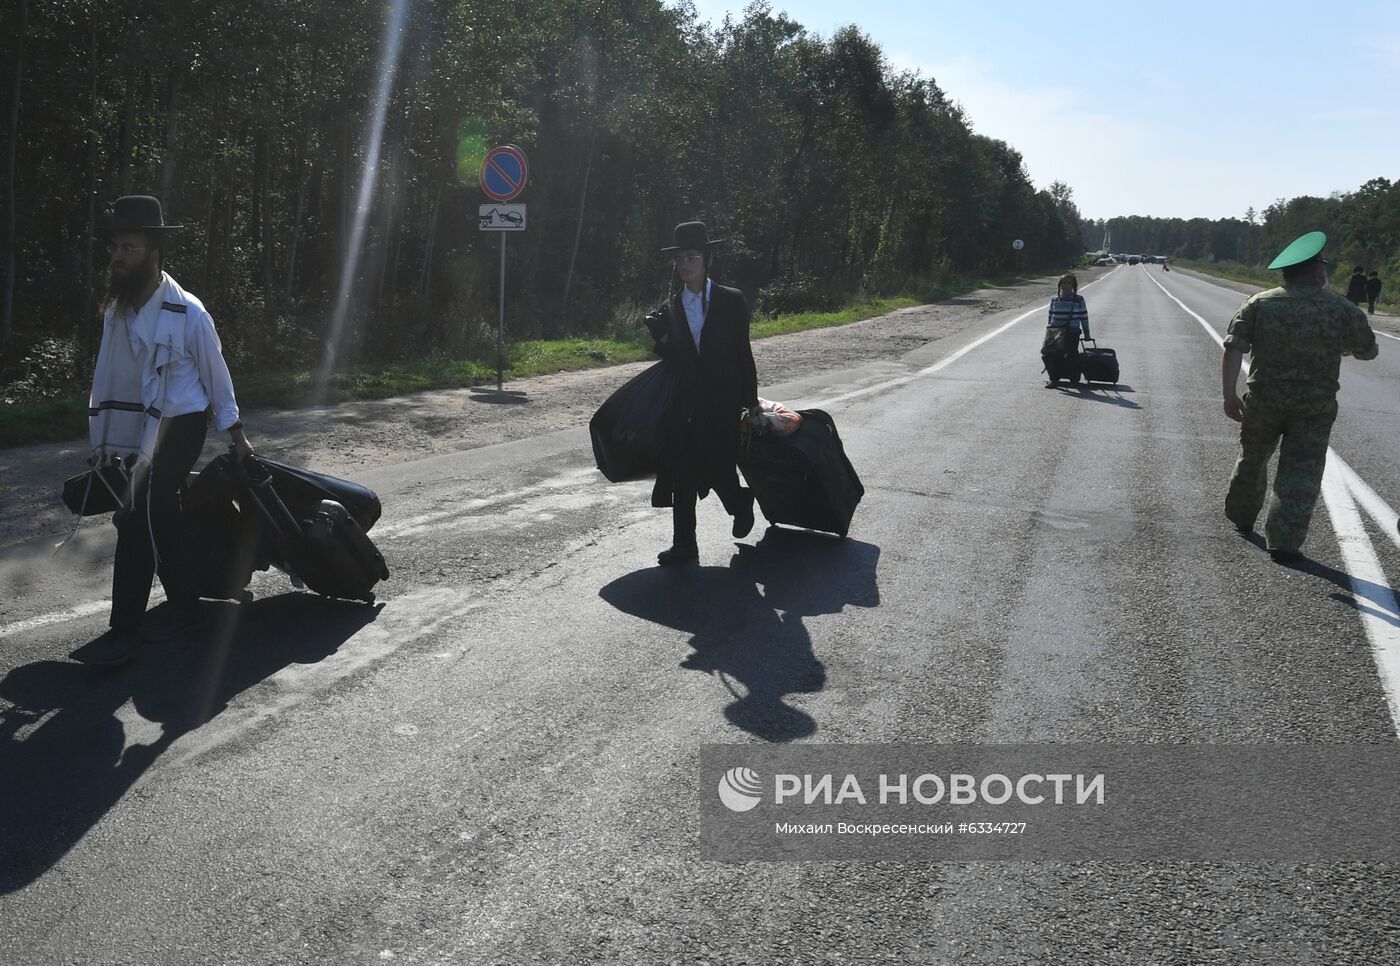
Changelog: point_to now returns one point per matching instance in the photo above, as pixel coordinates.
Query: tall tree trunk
(265, 216)
(89, 341)
(172, 129)
(578, 233)
(302, 166)
(7, 321)
(127, 133)
(426, 276)
(211, 210)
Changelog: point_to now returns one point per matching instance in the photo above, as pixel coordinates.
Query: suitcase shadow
(746, 619)
(1101, 392)
(74, 739)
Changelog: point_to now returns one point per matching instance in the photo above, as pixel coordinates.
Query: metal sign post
(504, 172)
(1017, 245)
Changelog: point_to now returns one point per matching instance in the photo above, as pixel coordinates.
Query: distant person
(160, 373)
(1069, 317)
(1296, 336)
(1373, 292)
(1356, 287)
(703, 332)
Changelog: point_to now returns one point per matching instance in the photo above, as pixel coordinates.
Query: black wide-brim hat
(138, 213)
(692, 234)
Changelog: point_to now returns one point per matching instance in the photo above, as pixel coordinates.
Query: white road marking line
(1376, 604)
(55, 617)
(1386, 518)
(1386, 334)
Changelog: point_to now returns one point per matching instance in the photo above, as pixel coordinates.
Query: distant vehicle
(1133, 259)
(1104, 261)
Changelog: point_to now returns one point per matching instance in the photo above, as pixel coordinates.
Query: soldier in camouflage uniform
(1296, 336)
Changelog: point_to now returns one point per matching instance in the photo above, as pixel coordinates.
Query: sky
(1184, 109)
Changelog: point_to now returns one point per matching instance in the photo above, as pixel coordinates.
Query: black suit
(716, 383)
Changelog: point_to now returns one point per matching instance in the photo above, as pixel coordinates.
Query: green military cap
(1303, 249)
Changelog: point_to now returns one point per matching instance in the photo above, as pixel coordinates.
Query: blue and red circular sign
(504, 172)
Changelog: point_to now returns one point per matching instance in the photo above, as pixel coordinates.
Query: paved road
(497, 764)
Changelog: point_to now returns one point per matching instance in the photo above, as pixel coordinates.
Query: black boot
(678, 554)
(743, 520)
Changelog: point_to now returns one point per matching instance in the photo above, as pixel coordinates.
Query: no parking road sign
(504, 172)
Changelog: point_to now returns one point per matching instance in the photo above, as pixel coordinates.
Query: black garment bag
(630, 430)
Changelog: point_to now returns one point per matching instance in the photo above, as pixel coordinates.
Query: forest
(323, 157)
(1362, 226)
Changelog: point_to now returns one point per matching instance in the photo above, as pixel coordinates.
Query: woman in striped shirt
(1068, 322)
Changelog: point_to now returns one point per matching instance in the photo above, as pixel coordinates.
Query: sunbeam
(391, 47)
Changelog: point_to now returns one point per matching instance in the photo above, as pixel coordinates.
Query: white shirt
(197, 377)
(695, 305)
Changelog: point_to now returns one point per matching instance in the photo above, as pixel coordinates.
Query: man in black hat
(160, 376)
(703, 332)
(1356, 286)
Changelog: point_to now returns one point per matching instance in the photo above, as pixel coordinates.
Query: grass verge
(54, 420)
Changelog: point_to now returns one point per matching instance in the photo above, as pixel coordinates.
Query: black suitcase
(630, 429)
(804, 479)
(1099, 365)
(302, 491)
(327, 549)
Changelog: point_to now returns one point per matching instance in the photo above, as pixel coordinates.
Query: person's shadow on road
(746, 619)
(66, 756)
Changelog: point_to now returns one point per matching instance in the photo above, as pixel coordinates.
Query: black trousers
(726, 487)
(178, 445)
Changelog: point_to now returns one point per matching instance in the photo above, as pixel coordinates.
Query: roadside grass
(1233, 272)
(53, 420)
(1255, 275)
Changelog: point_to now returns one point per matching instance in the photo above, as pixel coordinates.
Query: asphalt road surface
(497, 763)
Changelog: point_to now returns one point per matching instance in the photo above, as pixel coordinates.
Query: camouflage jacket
(1296, 336)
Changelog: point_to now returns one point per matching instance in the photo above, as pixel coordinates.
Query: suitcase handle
(274, 511)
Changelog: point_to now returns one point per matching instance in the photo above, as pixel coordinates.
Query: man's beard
(127, 283)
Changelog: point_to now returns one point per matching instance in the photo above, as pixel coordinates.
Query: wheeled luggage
(1099, 365)
(327, 548)
(302, 491)
(803, 479)
(249, 514)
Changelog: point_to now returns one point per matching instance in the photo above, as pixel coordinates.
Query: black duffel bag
(630, 429)
(99, 490)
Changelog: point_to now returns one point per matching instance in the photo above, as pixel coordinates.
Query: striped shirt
(1070, 313)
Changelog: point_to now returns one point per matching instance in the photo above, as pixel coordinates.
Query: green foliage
(1363, 229)
(831, 175)
(59, 419)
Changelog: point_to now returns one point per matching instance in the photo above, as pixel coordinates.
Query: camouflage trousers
(1301, 433)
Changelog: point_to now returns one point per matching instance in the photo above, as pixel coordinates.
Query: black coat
(716, 384)
(1356, 288)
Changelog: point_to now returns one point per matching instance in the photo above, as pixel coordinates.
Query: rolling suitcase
(803, 479)
(303, 491)
(326, 549)
(1099, 365)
